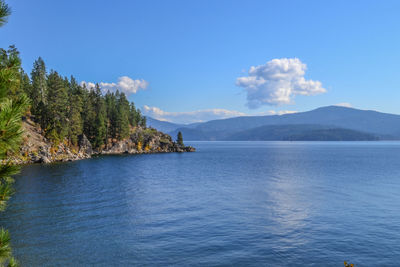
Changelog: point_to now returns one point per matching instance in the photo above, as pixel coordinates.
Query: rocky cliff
(37, 149)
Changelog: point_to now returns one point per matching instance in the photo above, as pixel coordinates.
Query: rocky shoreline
(37, 149)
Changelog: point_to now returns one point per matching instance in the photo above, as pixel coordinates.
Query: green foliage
(123, 112)
(12, 262)
(96, 129)
(142, 120)
(38, 92)
(100, 126)
(13, 105)
(5, 11)
(57, 108)
(11, 112)
(65, 109)
(5, 249)
(149, 131)
(10, 65)
(6, 258)
(180, 139)
(74, 111)
(6, 190)
(25, 83)
(75, 119)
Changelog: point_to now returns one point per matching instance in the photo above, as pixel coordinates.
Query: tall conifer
(12, 107)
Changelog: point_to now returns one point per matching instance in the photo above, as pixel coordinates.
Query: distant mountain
(382, 125)
(300, 132)
(163, 126)
(166, 126)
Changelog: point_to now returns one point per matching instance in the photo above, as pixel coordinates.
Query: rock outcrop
(85, 146)
(147, 140)
(37, 149)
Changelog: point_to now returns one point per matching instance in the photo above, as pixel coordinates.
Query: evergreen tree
(75, 108)
(96, 118)
(143, 121)
(5, 12)
(180, 139)
(122, 116)
(101, 118)
(25, 84)
(56, 115)
(12, 107)
(38, 94)
(132, 115)
(136, 118)
(89, 115)
(66, 110)
(111, 109)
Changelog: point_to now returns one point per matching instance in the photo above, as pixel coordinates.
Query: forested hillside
(64, 109)
(66, 121)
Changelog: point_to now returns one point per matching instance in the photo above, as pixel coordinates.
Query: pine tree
(38, 94)
(65, 109)
(95, 119)
(56, 115)
(89, 115)
(11, 110)
(111, 109)
(143, 121)
(135, 117)
(12, 107)
(122, 116)
(5, 12)
(25, 84)
(180, 139)
(75, 108)
(132, 115)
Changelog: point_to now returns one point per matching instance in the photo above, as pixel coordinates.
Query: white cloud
(190, 116)
(344, 104)
(277, 82)
(201, 115)
(124, 84)
(279, 112)
(88, 85)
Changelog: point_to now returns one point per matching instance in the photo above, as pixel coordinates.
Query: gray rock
(85, 145)
(45, 159)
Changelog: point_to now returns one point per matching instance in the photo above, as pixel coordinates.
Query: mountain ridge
(384, 126)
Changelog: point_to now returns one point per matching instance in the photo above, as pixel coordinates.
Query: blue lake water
(229, 203)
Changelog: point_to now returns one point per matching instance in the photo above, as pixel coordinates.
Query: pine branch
(5, 11)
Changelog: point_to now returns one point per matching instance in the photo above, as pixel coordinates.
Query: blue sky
(187, 56)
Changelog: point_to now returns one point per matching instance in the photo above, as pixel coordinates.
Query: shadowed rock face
(84, 145)
(37, 149)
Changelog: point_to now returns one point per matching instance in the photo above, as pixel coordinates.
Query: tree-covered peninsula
(65, 120)
(68, 121)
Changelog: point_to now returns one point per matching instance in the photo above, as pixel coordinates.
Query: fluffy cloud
(201, 115)
(277, 82)
(88, 85)
(344, 104)
(124, 84)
